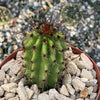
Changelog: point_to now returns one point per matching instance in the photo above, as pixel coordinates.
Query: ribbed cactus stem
(44, 56)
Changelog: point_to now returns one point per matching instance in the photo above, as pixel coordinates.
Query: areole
(75, 50)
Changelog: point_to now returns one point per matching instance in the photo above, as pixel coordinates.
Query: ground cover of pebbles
(79, 82)
(85, 35)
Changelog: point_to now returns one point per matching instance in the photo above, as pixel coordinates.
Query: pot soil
(75, 51)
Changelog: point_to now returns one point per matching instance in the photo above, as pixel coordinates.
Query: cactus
(71, 14)
(4, 15)
(44, 55)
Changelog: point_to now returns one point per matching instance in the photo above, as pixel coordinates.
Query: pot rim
(13, 55)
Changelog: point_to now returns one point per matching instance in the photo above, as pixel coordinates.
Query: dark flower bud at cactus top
(44, 56)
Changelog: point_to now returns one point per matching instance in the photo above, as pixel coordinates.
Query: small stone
(92, 82)
(14, 90)
(35, 96)
(84, 93)
(13, 79)
(64, 91)
(68, 53)
(71, 68)
(29, 92)
(7, 77)
(77, 84)
(89, 64)
(16, 67)
(21, 73)
(1, 91)
(15, 98)
(9, 86)
(35, 89)
(80, 64)
(70, 89)
(87, 99)
(9, 95)
(5, 81)
(90, 89)
(79, 99)
(6, 66)
(95, 88)
(2, 98)
(86, 74)
(78, 72)
(93, 73)
(52, 93)
(43, 96)
(2, 75)
(73, 97)
(22, 81)
(67, 79)
(61, 97)
(93, 95)
(84, 79)
(74, 56)
(19, 55)
(11, 74)
(22, 93)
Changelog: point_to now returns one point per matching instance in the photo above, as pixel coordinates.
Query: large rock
(9, 86)
(86, 74)
(43, 96)
(71, 68)
(64, 91)
(77, 84)
(2, 75)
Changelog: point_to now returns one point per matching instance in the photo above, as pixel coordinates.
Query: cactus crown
(71, 14)
(44, 55)
(4, 15)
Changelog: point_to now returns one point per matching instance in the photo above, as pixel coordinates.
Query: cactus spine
(44, 55)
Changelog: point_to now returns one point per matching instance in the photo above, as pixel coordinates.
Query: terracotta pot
(75, 50)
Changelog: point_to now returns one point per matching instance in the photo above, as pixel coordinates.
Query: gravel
(14, 86)
(85, 35)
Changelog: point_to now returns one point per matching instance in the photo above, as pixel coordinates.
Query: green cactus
(71, 14)
(5, 15)
(44, 55)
